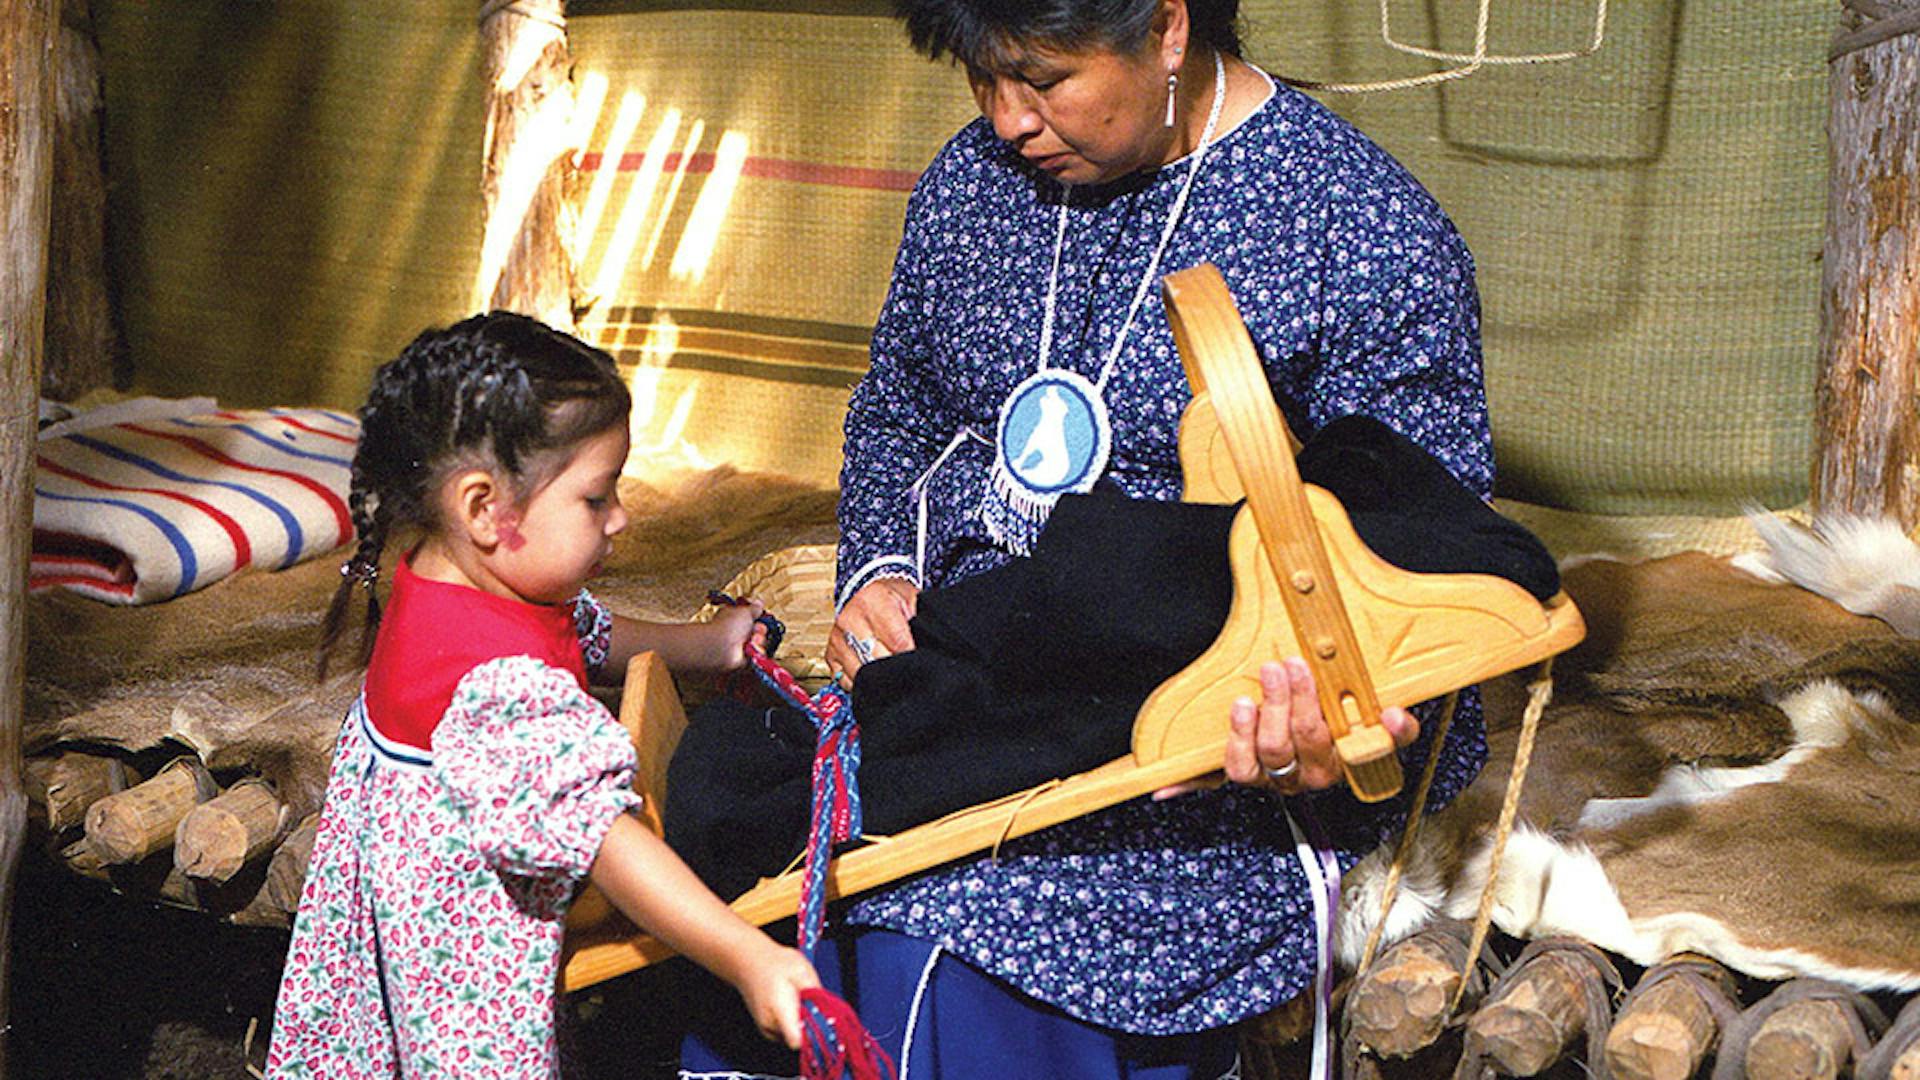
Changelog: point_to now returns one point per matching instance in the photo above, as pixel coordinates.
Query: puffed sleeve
(1402, 328)
(534, 766)
(593, 623)
(894, 427)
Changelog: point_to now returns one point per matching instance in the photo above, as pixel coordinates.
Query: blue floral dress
(1359, 295)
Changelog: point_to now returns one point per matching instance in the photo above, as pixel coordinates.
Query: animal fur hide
(1730, 765)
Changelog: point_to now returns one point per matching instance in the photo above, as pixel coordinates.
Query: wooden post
(80, 342)
(1867, 401)
(26, 176)
(526, 254)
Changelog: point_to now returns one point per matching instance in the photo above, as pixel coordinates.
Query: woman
(1024, 351)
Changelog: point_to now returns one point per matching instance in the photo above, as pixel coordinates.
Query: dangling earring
(1173, 83)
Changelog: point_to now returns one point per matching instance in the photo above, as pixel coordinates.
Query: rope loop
(1468, 63)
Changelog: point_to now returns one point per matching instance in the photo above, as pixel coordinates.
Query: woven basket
(796, 584)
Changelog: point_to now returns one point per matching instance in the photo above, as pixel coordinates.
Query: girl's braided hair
(500, 392)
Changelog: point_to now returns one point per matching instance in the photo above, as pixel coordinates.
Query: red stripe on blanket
(333, 502)
(242, 550)
(81, 582)
(350, 440)
(768, 168)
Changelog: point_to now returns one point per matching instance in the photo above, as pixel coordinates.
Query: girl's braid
(496, 390)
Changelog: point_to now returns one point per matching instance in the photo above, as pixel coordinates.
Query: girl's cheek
(508, 525)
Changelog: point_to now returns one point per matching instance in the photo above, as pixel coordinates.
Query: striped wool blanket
(145, 510)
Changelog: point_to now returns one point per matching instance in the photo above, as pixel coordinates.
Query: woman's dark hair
(985, 33)
(499, 391)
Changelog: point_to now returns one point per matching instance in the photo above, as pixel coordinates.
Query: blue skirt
(938, 1017)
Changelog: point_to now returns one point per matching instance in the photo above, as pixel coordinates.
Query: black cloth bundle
(1036, 669)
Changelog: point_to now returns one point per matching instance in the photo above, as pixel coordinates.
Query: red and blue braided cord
(836, 1046)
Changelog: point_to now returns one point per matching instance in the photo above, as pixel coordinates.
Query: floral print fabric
(428, 937)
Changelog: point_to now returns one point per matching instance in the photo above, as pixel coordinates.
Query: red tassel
(836, 1044)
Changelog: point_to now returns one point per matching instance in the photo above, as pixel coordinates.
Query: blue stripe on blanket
(267, 440)
(296, 541)
(189, 566)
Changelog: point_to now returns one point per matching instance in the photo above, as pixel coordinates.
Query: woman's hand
(1283, 742)
(872, 625)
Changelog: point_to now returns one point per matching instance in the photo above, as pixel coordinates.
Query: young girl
(476, 782)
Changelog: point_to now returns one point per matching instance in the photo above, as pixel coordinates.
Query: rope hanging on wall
(1882, 23)
(1468, 63)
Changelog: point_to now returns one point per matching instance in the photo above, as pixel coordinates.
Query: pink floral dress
(428, 937)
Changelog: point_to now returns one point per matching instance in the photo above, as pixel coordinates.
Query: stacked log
(63, 785)
(177, 837)
(128, 826)
(1401, 1004)
(238, 827)
(1557, 991)
(1670, 1022)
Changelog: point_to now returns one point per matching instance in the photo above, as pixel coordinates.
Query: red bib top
(432, 633)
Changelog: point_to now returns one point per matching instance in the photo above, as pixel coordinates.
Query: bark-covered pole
(526, 261)
(1867, 403)
(26, 175)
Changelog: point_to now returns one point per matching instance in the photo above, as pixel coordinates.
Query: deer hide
(1730, 765)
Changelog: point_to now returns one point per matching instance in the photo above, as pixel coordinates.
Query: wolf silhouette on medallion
(1048, 442)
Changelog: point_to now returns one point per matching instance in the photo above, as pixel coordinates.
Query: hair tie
(362, 573)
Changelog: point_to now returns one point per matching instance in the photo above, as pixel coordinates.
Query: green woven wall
(1646, 222)
(294, 188)
(294, 191)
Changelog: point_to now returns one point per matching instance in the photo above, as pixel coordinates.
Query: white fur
(1415, 901)
(1823, 714)
(1548, 887)
(1867, 565)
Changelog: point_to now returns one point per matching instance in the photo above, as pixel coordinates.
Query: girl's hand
(771, 985)
(1283, 742)
(873, 623)
(730, 630)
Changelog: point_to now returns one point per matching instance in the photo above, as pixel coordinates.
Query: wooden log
(81, 859)
(1402, 1003)
(63, 785)
(1535, 1016)
(287, 873)
(81, 344)
(26, 128)
(135, 823)
(1807, 1040)
(1866, 419)
(218, 837)
(526, 262)
(1666, 1031)
(154, 879)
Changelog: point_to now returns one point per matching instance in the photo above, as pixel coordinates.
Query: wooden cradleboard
(1375, 636)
